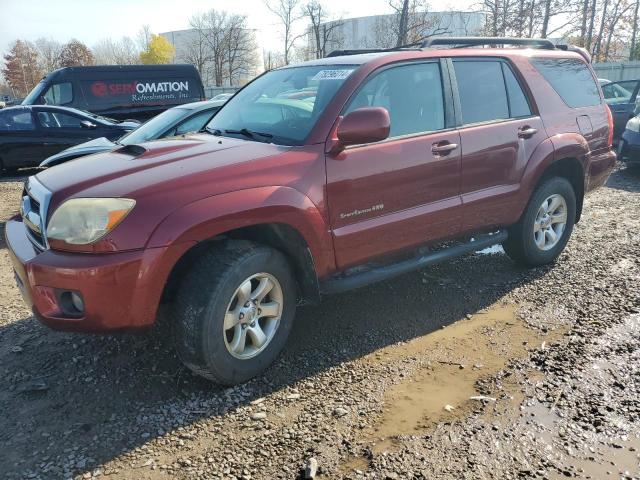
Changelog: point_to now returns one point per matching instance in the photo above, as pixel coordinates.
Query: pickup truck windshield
(282, 106)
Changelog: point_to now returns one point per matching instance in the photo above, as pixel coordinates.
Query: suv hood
(191, 167)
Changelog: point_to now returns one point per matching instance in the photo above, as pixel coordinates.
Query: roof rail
(357, 51)
(479, 41)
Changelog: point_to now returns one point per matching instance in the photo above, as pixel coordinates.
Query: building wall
(369, 32)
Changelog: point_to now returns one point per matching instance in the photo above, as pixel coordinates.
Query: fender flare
(551, 150)
(213, 216)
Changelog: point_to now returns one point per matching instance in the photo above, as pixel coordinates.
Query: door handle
(527, 132)
(441, 148)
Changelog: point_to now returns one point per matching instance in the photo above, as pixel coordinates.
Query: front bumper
(121, 291)
(629, 147)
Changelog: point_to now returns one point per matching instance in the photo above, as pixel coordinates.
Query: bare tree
(620, 8)
(272, 59)
(413, 26)
(144, 37)
(241, 49)
(223, 45)
(633, 49)
(49, 54)
(287, 13)
(116, 52)
(323, 32)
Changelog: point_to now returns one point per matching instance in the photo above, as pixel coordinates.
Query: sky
(91, 20)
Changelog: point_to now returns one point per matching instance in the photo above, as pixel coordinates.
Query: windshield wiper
(243, 131)
(248, 133)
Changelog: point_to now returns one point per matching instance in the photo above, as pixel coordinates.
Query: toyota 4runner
(314, 179)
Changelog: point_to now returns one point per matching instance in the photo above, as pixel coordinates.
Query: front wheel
(234, 311)
(544, 229)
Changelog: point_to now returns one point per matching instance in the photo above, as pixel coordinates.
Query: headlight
(634, 124)
(80, 221)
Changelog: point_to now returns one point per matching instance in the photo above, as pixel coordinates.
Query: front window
(281, 106)
(155, 127)
(619, 92)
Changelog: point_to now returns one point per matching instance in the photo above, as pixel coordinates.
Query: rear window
(16, 120)
(571, 79)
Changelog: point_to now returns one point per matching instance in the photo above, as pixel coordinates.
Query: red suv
(314, 179)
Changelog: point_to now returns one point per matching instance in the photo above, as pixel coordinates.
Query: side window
(483, 96)
(59, 94)
(518, 103)
(571, 79)
(412, 94)
(58, 120)
(195, 123)
(21, 120)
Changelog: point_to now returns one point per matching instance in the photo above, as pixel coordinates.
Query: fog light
(77, 302)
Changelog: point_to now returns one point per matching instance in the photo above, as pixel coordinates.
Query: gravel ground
(471, 369)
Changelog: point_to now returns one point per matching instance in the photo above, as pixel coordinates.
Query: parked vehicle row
(314, 179)
(29, 134)
(191, 117)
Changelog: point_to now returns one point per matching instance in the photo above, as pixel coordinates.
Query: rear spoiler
(573, 48)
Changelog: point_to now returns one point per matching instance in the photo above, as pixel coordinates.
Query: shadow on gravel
(19, 175)
(625, 178)
(75, 401)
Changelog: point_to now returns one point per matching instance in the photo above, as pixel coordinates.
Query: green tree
(159, 51)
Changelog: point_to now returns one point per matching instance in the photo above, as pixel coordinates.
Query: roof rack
(462, 42)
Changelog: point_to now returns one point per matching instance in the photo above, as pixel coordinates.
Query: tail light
(610, 121)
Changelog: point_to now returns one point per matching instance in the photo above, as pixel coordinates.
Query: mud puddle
(444, 387)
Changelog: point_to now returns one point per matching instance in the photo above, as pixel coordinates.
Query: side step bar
(377, 274)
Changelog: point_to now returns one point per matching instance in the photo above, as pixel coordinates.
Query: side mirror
(364, 125)
(87, 124)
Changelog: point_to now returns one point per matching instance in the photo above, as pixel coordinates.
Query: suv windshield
(34, 95)
(281, 106)
(154, 127)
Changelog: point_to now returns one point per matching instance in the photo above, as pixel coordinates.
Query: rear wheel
(544, 229)
(234, 311)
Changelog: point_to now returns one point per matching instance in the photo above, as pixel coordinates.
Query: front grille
(35, 202)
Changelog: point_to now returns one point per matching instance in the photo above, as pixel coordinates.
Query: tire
(211, 289)
(521, 245)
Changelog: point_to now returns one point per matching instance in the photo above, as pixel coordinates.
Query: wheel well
(282, 237)
(572, 170)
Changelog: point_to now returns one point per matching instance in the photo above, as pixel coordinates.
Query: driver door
(404, 191)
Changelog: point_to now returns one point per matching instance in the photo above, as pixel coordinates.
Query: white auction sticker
(332, 74)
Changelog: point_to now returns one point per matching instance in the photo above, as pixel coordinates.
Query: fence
(616, 71)
(211, 92)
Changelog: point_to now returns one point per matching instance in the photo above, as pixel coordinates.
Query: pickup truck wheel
(545, 226)
(233, 311)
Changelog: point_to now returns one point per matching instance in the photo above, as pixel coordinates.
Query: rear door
(404, 191)
(621, 98)
(498, 132)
